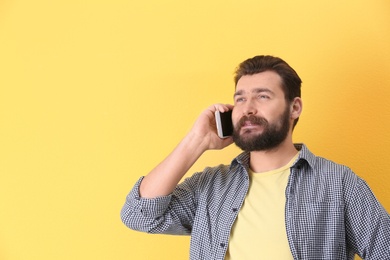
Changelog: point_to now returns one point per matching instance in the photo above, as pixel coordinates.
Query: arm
(146, 205)
(367, 223)
(202, 137)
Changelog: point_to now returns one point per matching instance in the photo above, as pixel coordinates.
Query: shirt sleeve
(163, 215)
(367, 223)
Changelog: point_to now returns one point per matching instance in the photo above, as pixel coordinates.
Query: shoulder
(216, 174)
(324, 169)
(220, 175)
(318, 163)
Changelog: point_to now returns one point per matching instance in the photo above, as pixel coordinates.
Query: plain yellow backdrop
(93, 94)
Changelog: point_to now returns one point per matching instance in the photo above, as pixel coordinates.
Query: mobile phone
(224, 123)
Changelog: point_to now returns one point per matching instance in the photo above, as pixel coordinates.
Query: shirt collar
(304, 155)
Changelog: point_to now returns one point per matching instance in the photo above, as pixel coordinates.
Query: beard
(272, 135)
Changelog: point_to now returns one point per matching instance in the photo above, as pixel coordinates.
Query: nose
(250, 108)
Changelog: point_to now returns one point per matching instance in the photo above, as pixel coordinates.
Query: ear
(296, 108)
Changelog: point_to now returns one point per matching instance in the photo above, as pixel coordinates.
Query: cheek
(235, 116)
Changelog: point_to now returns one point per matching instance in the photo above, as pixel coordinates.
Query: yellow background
(93, 94)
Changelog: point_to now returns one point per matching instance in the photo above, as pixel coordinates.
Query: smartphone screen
(224, 123)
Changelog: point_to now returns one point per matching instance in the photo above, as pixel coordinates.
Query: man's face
(261, 116)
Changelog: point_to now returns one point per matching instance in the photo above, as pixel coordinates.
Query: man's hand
(205, 128)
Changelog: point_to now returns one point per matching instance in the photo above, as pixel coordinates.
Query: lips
(248, 123)
(249, 126)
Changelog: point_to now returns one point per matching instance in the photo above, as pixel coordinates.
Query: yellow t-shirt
(259, 231)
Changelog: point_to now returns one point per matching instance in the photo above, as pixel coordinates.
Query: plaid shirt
(330, 212)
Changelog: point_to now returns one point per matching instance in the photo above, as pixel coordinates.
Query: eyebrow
(256, 91)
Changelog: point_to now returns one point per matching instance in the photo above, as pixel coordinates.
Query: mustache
(254, 120)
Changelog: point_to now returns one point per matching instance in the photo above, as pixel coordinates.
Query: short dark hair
(290, 79)
(291, 82)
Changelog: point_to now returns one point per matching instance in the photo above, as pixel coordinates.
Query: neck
(262, 161)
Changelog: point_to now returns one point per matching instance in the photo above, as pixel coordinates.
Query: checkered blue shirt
(331, 213)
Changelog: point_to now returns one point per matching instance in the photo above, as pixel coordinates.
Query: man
(276, 200)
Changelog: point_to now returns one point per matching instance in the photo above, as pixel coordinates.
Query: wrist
(195, 143)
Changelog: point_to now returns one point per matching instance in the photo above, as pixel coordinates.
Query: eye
(262, 96)
(239, 100)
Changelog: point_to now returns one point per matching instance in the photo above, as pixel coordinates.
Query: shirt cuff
(148, 207)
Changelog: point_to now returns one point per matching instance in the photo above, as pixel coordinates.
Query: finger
(222, 107)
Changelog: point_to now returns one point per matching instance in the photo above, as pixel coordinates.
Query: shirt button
(234, 209)
(222, 244)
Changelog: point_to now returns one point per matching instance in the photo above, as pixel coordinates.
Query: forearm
(162, 180)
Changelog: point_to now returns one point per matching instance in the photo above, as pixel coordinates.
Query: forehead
(264, 80)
